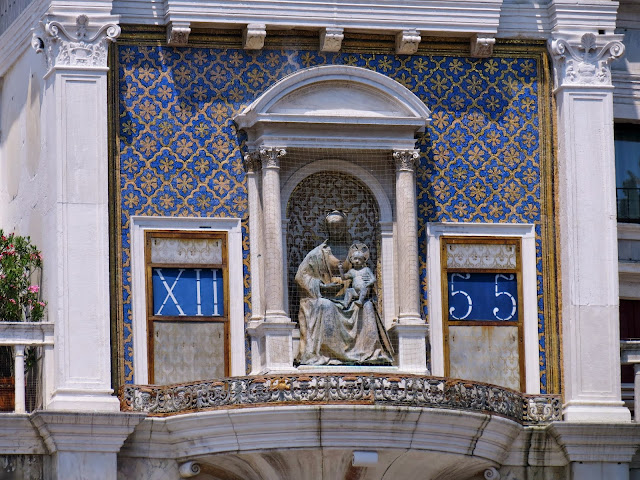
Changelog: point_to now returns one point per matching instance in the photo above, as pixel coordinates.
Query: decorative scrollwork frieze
(406, 160)
(585, 63)
(79, 46)
(270, 156)
(372, 389)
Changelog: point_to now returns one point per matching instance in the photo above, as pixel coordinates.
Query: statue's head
(336, 223)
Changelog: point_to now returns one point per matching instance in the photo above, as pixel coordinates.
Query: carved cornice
(365, 389)
(270, 156)
(584, 63)
(406, 160)
(81, 46)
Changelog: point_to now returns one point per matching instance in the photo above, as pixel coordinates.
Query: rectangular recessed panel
(188, 351)
(485, 354)
(185, 251)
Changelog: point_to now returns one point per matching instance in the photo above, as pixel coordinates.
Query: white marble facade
(54, 187)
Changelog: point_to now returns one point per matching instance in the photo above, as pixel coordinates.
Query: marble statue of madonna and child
(339, 322)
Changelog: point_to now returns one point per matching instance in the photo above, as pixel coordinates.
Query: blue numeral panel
(483, 296)
(188, 292)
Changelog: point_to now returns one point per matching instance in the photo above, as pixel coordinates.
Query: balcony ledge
(341, 389)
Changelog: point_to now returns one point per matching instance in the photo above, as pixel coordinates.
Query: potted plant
(20, 270)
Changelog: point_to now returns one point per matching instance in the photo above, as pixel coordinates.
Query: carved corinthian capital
(586, 62)
(270, 156)
(77, 46)
(406, 159)
(252, 162)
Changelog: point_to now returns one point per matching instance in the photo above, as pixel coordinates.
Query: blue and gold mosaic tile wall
(179, 153)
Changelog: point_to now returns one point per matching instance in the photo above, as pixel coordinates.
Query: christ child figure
(361, 276)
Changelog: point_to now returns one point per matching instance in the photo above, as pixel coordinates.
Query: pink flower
(12, 300)
(33, 288)
(41, 304)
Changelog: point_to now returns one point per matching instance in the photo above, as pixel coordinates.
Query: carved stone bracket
(406, 160)
(586, 62)
(407, 42)
(178, 33)
(270, 156)
(79, 46)
(253, 36)
(331, 39)
(482, 47)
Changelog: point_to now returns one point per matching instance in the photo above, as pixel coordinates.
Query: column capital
(406, 160)
(82, 45)
(270, 156)
(584, 61)
(252, 162)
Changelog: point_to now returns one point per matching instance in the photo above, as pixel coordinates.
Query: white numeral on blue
(498, 294)
(169, 290)
(465, 276)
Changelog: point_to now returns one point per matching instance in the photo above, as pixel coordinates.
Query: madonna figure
(339, 323)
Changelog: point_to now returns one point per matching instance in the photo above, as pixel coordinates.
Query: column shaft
(273, 260)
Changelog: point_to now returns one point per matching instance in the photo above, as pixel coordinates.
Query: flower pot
(7, 394)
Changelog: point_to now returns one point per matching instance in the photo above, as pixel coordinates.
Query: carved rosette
(586, 63)
(270, 156)
(406, 160)
(79, 46)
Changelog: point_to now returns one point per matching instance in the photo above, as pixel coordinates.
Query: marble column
(75, 124)
(410, 331)
(587, 226)
(270, 329)
(274, 255)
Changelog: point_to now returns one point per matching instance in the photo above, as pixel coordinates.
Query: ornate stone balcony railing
(365, 389)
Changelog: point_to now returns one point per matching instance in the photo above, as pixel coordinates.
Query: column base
(595, 412)
(275, 345)
(84, 401)
(411, 350)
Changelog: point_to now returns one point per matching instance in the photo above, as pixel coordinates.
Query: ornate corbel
(331, 39)
(482, 46)
(80, 46)
(270, 156)
(406, 160)
(407, 42)
(585, 63)
(253, 36)
(178, 34)
(491, 473)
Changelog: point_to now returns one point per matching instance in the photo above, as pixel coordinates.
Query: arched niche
(342, 117)
(335, 106)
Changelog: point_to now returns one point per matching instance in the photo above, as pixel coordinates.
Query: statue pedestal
(273, 342)
(411, 348)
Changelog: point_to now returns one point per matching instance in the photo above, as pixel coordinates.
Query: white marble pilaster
(587, 226)
(75, 123)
